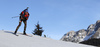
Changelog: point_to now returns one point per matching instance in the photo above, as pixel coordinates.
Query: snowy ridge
(93, 31)
(7, 39)
(90, 35)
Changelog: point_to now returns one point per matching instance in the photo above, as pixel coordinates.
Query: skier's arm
(27, 16)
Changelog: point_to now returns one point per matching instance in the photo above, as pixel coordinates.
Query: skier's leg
(17, 27)
(25, 25)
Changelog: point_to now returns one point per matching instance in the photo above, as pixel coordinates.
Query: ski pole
(15, 16)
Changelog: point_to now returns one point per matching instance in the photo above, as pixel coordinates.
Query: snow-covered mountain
(7, 39)
(74, 36)
(93, 31)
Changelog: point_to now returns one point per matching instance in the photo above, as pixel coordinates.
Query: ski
(15, 34)
(26, 35)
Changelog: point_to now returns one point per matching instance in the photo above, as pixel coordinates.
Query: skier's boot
(14, 33)
(24, 33)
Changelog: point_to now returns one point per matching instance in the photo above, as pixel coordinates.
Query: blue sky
(57, 17)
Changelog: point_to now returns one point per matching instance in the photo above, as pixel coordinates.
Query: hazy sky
(57, 17)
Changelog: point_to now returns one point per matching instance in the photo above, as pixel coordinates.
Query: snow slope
(7, 39)
(90, 35)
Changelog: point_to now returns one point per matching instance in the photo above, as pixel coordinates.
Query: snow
(7, 39)
(90, 35)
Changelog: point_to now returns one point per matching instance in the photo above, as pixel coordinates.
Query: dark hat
(27, 7)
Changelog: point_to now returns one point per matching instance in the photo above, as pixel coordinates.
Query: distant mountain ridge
(93, 31)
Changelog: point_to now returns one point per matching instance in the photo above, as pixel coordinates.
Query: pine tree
(38, 30)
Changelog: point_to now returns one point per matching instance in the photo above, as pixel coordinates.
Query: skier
(23, 17)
